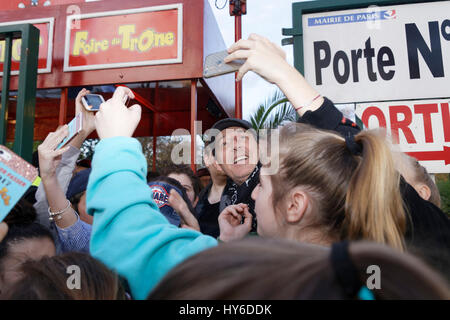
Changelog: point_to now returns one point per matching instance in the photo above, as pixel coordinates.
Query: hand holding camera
(114, 118)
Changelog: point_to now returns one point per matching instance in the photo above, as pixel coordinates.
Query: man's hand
(49, 158)
(230, 224)
(114, 119)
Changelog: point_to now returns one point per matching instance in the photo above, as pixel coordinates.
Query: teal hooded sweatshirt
(129, 234)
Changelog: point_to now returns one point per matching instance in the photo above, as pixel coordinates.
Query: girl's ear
(296, 205)
(423, 190)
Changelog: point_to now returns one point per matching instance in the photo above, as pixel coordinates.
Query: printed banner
(16, 176)
(125, 38)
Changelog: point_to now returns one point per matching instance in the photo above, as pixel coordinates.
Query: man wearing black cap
(236, 151)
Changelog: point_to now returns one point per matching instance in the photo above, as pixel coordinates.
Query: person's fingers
(243, 70)
(3, 230)
(257, 37)
(174, 199)
(240, 54)
(247, 217)
(121, 93)
(59, 136)
(241, 44)
(173, 194)
(229, 213)
(60, 151)
(79, 95)
(55, 138)
(235, 215)
(137, 111)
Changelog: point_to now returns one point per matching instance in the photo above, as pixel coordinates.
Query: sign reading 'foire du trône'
(124, 38)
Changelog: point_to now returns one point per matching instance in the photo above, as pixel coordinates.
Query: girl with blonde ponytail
(328, 188)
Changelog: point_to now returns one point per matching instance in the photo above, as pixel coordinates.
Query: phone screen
(94, 100)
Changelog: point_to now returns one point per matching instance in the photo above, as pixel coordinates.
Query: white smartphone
(92, 102)
(215, 66)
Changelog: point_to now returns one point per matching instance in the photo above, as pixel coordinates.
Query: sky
(264, 17)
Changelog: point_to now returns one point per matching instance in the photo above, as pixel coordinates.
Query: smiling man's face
(236, 153)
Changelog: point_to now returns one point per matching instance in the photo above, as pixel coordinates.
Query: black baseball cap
(228, 123)
(231, 122)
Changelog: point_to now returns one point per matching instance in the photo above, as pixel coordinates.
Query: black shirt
(208, 214)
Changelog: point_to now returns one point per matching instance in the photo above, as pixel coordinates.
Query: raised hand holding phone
(269, 61)
(114, 119)
(260, 56)
(88, 116)
(49, 159)
(216, 66)
(49, 156)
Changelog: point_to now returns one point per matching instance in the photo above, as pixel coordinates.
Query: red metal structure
(172, 91)
(237, 9)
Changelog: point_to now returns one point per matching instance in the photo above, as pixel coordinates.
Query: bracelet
(309, 103)
(57, 215)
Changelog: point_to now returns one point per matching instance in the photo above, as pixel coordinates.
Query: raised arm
(269, 61)
(73, 234)
(129, 233)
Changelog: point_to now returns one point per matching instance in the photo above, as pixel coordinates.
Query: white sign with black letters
(379, 53)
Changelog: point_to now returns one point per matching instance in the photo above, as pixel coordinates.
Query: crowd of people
(340, 201)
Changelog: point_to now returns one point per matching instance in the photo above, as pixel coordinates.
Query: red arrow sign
(432, 155)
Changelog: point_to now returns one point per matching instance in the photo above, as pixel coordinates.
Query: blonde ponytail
(373, 204)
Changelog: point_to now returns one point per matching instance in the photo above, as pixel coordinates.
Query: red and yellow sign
(125, 38)
(45, 27)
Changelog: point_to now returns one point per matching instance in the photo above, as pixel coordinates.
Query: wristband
(57, 215)
(309, 103)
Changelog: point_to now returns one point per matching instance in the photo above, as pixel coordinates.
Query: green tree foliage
(274, 111)
(443, 185)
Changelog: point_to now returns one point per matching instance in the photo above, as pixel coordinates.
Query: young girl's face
(265, 213)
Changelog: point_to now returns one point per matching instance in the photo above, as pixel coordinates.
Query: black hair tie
(344, 269)
(354, 147)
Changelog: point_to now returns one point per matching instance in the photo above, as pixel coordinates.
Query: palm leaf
(264, 116)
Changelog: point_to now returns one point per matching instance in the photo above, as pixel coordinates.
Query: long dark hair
(22, 225)
(47, 279)
(259, 269)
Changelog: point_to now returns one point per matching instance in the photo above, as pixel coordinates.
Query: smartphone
(16, 176)
(92, 102)
(75, 126)
(214, 65)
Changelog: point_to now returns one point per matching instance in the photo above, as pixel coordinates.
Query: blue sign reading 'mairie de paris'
(352, 17)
